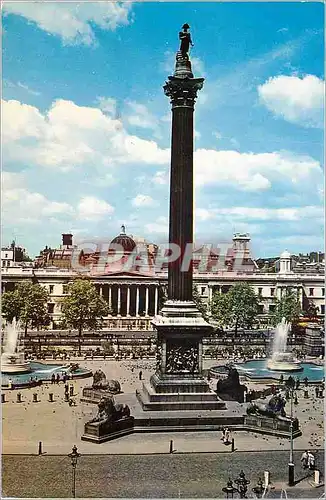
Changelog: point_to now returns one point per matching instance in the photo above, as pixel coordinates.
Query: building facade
(135, 295)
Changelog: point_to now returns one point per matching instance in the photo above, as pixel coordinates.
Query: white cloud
(297, 100)
(160, 226)
(70, 136)
(286, 214)
(107, 105)
(142, 200)
(252, 172)
(140, 116)
(217, 135)
(91, 208)
(21, 205)
(71, 21)
(160, 178)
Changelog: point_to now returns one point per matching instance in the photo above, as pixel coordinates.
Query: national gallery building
(134, 294)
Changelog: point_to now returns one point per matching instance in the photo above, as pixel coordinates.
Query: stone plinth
(101, 432)
(277, 426)
(94, 396)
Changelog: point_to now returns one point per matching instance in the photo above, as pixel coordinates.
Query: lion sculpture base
(112, 421)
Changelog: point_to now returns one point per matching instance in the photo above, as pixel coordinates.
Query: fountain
(12, 358)
(281, 359)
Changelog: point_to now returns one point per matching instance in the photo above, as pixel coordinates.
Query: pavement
(151, 476)
(58, 426)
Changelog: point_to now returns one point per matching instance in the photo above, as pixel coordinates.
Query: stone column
(110, 298)
(119, 300)
(182, 89)
(101, 290)
(146, 301)
(210, 294)
(137, 302)
(156, 301)
(128, 300)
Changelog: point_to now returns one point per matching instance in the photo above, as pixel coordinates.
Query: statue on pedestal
(186, 41)
(230, 388)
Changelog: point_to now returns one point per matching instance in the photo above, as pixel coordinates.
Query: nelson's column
(178, 383)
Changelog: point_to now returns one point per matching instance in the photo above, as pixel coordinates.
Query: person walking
(58, 378)
(311, 461)
(227, 436)
(223, 434)
(53, 379)
(140, 375)
(304, 459)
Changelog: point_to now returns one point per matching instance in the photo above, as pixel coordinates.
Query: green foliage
(201, 305)
(237, 308)
(287, 307)
(27, 303)
(83, 308)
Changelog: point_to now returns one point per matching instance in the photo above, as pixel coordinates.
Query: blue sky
(86, 125)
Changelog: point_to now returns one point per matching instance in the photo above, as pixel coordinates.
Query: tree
(83, 308)
(27, 303)
(237, 308)
(287, 307)
(201, 305)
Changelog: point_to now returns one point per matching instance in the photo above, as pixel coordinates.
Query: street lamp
(242, 484)
(291, 385)
(259, 489)
(74, 457)
(229, 489)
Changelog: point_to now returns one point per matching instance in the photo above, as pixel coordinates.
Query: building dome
(285, 255)
(124, 240)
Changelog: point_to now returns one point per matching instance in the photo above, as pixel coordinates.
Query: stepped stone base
(150, 400)
(99, 433)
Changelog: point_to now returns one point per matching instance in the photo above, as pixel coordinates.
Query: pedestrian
(227, 436)
(304, 459)
(58, 378)
(53, 379)
(311, 461)
(140, 375)
(223, 434)
(66, 388)
(316, 391)
(10, 384)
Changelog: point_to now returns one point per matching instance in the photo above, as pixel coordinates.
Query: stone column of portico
(128, 300)
(101, 290)
(110, 299)
(156, 301)
(119, 301)
(146, 300)
(137, 302)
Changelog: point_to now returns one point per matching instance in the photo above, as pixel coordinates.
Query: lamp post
(74, 457)
(291, 385)
(242, 483)
(229, 489)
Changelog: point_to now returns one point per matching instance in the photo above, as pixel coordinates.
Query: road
(195, 475)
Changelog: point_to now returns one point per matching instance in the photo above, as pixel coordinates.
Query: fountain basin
(14, 363)
(41, 372)
(284, 362)
(256, 369)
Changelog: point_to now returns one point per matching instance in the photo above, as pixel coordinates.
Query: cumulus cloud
(139, 116)
(73, 22)
(142, 200)
(91, 208)
(21, 205)
(69, 136)
(161, 178)
(297, 100)
(253, 171)
(160, 226)
(263, 214)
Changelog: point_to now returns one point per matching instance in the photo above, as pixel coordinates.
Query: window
(272, 292)
(3, 263)
(51, 288)
(272, 308)
(311, 291)
(50, 308)
(64, 289)
(260, 292)
(6, 256)
(260, 309)
(323, 291)
(203, 290)
(322, 309)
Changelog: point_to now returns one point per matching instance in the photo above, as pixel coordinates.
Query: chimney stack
(67, 240)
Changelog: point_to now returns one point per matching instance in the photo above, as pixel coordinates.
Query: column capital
(183, 91)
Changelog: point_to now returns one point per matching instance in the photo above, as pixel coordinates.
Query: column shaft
(128, 300)
(137, 301)
(146, 301)
(119, 300)
(181, 200)
(156, 301)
